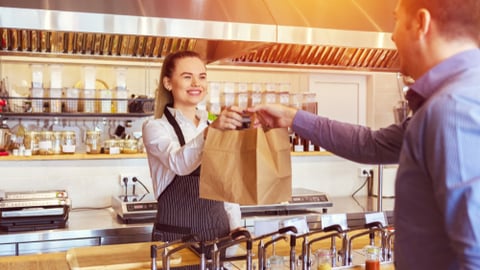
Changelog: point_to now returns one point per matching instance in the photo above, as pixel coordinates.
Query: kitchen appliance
(303, 201)
(36, 210)
(282, 33)
(135, 208)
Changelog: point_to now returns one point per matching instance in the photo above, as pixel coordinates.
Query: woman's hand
(229, 118)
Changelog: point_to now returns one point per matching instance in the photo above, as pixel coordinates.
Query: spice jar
(93, 142)
(112, 147)
(68, 142)
(31, 142)
(130, 146)
(45, 143)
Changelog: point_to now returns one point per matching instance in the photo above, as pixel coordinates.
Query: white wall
(91, 183)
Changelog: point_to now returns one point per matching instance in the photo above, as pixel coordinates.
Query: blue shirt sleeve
(353, 142)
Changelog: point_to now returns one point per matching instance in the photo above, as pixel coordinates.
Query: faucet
(388, 248)
(261, 244)
(238, 237)
(372, 228)
(267, 244)
(167, 253)
(337, 232)
(154, 248)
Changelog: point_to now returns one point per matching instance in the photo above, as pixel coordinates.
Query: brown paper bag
(249, 166)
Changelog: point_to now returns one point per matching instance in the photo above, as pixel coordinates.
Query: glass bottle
(68, 142)
(45, 143)
(298, 144)
(92, 142)
(372, 260)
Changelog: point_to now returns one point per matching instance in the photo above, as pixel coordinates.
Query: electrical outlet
(129, 180)
(364, 172)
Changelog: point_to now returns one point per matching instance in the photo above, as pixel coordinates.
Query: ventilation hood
(334, 34)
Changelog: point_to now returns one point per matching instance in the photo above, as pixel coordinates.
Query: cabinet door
(340, 97)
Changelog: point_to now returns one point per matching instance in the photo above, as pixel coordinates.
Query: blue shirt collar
(431, 81)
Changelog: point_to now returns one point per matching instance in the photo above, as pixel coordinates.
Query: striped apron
(181, 211)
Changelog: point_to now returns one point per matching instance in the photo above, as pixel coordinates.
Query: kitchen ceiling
(333, 34)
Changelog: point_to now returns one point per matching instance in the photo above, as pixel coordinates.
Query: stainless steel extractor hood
(343, 34)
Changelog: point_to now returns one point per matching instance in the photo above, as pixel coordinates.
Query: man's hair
(455, 18)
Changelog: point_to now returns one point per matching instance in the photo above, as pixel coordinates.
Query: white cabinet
(340, 96)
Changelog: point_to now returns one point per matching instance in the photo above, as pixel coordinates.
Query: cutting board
(122, 257)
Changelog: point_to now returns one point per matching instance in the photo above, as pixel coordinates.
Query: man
(438, 179)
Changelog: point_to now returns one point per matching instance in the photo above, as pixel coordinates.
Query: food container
(57, 142)
(45, 143)
(68, 142)
(93, 142)
(112, 147)
(31, 142)
(130, 146)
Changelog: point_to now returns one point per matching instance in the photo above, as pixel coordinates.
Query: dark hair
(164, 96)
(454, 18)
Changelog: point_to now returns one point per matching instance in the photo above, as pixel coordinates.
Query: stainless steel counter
(101, 227)
(84, 228)
(354, 207)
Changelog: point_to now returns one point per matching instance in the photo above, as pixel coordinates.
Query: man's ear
(423, 20)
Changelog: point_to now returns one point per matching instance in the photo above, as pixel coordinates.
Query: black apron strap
(174, 124)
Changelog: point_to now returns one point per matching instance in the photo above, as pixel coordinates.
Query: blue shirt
(437, 207)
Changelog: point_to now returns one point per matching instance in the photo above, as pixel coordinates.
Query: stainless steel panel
(56, 245)
(8, 249)
(224, 32)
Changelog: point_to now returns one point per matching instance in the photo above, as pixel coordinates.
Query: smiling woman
(174, 142)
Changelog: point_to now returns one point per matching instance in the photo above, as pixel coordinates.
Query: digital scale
(135, 208)
(36, 210)
(301, 202)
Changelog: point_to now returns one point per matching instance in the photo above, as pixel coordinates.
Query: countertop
(100, 222)
(81, 223)
(103, 222)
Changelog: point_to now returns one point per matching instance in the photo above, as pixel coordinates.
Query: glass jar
(45, 143)
(57, 142)
(372, 260)
(130, 146)
(93, 142)
(31, 142)
(323, 259)
(112, 147)
(68, 142)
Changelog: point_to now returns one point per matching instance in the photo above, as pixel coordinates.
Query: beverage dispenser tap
(372, 228)
(154, 248)
(333, 231)
(261, 244)
(235, 238)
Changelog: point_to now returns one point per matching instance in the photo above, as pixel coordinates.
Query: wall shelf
(314, 153)
(78, 156)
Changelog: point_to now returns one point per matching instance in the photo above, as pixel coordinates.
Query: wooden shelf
(82, 156)
(315, 153)
(79, 156)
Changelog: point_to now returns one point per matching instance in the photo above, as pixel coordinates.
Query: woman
(174, 141)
